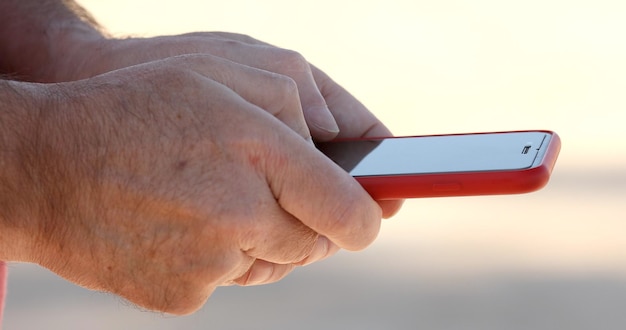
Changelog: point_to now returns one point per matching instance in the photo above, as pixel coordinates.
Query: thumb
(322, 196)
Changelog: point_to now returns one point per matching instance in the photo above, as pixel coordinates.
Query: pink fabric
(3, 282)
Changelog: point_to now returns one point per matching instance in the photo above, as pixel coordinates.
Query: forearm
(36, 35)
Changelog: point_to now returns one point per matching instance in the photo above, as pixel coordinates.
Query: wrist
(17, 221)
(31, 196)
(40, 39)
(71, 46)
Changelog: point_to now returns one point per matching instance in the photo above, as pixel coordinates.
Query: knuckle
(285, 102)
(167, 72)
(244, 38)
(291, 61)
(286, 86)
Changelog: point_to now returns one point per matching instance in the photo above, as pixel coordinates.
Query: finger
(274, 93)
(263, 272)
(266, 231)
(253, 53)
(319, 119)
(323, 249)
(323, 196)
(354, 120)
(278, 238)
(390, 207)
(316, 112)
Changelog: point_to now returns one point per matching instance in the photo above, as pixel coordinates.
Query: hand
(159, 183)
(329, 110)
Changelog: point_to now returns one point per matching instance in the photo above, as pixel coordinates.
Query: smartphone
(448, 165)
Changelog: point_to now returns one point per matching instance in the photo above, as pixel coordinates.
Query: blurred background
(554, 259)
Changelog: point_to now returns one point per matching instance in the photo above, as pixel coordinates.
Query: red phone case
(465, 184)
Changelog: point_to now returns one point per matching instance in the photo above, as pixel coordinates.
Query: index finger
(352, 117)
(272, 92)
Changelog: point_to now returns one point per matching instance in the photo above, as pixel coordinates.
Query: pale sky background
(443, 67)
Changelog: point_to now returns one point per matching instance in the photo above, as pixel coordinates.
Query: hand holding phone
(448, 165)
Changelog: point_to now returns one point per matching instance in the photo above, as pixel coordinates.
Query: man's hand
(159, 183)
(328, 109)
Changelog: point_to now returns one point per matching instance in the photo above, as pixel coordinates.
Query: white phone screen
(439, 154)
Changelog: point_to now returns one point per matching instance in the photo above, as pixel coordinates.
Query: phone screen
(439, 154)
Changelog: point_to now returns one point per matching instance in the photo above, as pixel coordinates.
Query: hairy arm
(37, 35)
